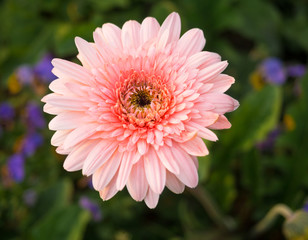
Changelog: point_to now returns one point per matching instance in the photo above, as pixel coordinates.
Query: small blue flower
(92, 207)
(16, 167)
(35, 117)
(25, 74)
(43, 69)
(273, 71)
(31, 142)
(7, 112)
(297, 70)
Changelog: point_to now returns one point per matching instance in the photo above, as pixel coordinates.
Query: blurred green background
(260, 162)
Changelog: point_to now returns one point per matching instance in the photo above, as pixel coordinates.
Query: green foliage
(66, 223)
(257, 115)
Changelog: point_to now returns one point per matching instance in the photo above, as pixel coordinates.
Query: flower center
(141, 98)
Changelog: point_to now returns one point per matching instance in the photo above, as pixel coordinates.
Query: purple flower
(30, 197)
(305, 207)
(31, 142)
(273, 71)
(92, 207)
(269, 143)
(25, 74)
(90, 183)
(297, 70)
(43, 69)
(16, 167)
(35, 117)
(7, 112)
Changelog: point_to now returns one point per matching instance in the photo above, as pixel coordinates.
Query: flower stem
(270, 217)
(204, 197)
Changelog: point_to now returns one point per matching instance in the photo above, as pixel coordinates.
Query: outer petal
(89, 54)
(112, 35)
(195, 147)
(172, 24)
(75, 160)
(174, 184)
(79, 134)
(149, 29)
(72, 71)
(101, 153)
(188, 171)
(222, 83)
(191, 42)
(137, 184)
(223, 103)
(67, 120)
(221, 123)
(110, 190)
(59, 137)
(208, 73)
(203, 59)
(106, 172)
(151, 199)
(131, 35)
(155, 172)
(165, 156)
(125, 169)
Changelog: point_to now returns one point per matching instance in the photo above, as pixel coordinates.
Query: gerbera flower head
(134, 114)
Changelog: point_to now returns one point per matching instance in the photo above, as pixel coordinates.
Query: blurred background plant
(255, 173)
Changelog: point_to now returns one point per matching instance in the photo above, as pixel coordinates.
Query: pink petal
(88, 53)
(130, 35)
(101, 153)
(137, 185)
(195, 147)
(155, 172)
(165, 156)
(110, 190)
(221, 123)
(142, 146)
(172, 24)
(59, 137)
(202, 131)
(63, 102)
(112, 34)
(67, 120)
(79, 134)
(222, 83)
(188, 171)
(125, 169)
(208, 118)
(48, 108)
(223, 103)
(208, 73)
(105, 173)
(149, 29)
(69, 70)
(191, 42)
(203, 58)
(75, 160)
(151, 199)
(174, 184)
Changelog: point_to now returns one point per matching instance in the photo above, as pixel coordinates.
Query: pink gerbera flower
(134, 114)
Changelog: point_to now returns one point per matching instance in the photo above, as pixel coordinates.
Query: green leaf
(55, 197)
(257, 115)
(67, 223)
